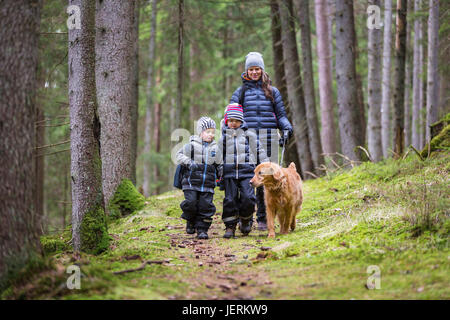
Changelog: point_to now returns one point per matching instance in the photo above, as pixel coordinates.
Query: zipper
(206, 166)
(236, 155)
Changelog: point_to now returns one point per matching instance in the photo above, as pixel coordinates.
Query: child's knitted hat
(234, 111)
(205, 123)
(254, 59)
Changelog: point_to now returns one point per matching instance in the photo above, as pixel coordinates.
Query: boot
(190, 228)
(262, 226)
(245, 226)
(202, 234)
(229, 232)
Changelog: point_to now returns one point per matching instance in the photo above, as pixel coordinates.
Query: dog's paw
(271, 235)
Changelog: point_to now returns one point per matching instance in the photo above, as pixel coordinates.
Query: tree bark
(84, 123)
(114, 81)
(40, 141)
(432, 69)
(280, 78)
(150, 103)
(294, 86)
(375, 51)
(417, 71)
(180, 74)
(19, 222)
(399, 77)
(408, 81)
(386, 81)
(135, 106)
(349, 110)
(325, 77)
(315, 144)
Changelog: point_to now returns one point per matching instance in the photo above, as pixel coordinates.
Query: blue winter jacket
(259, 111)
(239, 150)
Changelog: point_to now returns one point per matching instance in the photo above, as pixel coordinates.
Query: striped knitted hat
(205, 123)
(234, 111)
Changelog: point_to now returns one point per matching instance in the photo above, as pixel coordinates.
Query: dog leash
(282, 152)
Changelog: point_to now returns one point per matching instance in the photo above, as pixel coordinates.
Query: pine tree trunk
(349, 110)
(291, 154)
(417, 70)
(375, 51)
(19, 222)
(40, 141)
(114, 81)
(135, 105)
(149, 107)
(84, 123)
(399, 77)
(294, 86)
(157, 141)
(180, 74)
(325, 77)
(408, 80)
(386, 81)
(315, 144)
(432, 69)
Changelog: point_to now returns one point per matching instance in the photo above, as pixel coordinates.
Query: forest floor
(393, 215)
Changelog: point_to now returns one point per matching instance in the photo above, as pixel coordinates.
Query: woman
(263, 109)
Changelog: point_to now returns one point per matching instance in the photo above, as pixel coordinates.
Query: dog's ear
(292, 166)
(278, 174)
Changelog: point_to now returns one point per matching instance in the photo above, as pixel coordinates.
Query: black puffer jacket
(259, 111)
(202, 169)
(239, 150)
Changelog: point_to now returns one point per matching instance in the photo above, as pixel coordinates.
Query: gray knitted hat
(205, 123)
(254, 59)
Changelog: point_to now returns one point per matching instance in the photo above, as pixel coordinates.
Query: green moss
(126, 200)
(442, 140)
(94, 234)
(52, 244)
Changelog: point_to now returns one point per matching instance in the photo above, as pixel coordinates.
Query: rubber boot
(245, 226)
(229, 232)
(190, 228)
(202, 234)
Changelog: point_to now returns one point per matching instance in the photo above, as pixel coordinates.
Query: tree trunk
(408, 81)
(386, 81)
(19, 223)
(114, 80)
(149, 106)
(315, 144)
(157, 141)
(280, 78)
(374, 90)
(422, 88)
(40, 160)
(180, 74)
(417, 71)
(432, 69)
(194, 79)
(349, 111)
(294, 86)
(399, 77)
(135, 105)
(84, 123)
(325, 77)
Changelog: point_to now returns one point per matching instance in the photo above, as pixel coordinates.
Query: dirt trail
(226, 272)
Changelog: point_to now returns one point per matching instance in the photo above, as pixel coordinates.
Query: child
(199, 179)
(240, 151)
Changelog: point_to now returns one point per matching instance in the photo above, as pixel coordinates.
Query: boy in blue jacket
(239, 154)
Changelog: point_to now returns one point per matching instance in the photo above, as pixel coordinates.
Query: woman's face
(254, 73)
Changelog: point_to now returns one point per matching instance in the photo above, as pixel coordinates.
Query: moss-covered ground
(393, 215)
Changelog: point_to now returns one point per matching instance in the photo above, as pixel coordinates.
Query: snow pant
(261, 206)
(239, 201)
(198, 207)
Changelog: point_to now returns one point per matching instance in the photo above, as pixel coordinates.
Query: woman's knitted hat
(205, 123)
(254, 59)
(234, 111)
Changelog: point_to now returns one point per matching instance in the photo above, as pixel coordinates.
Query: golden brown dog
(283, 194)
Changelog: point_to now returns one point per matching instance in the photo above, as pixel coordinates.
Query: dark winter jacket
(259, 111)
(239, 152)
(202, 168)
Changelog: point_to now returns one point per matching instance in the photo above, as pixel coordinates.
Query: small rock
(420, 289)
(265, 248)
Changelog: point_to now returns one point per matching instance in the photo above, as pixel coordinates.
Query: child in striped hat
(240, 149)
